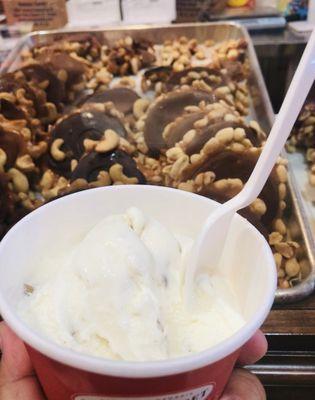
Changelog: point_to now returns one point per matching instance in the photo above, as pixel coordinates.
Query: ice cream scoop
(118, 293)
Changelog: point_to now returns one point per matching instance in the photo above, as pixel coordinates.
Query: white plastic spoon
(209, 244)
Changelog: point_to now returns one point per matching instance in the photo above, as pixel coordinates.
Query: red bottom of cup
(61, 382)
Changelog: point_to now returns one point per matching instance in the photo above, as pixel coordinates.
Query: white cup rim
(138, 369)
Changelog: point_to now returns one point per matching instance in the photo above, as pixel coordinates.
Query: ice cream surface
(118, 294)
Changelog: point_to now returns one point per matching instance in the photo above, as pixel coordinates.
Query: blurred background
(279, 28)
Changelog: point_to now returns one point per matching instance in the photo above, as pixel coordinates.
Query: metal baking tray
(260, 109)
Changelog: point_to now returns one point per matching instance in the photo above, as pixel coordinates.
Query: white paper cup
(65, 374)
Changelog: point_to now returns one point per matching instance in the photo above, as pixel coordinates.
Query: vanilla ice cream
(118, 293)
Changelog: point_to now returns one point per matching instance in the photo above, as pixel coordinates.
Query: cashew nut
(292, 267)
(7, 96)
(73, 164)
(201, 123)
(78, 184)
(222, 91)
(25, 163)
(62, 183)
(19, 180)
(43, 84)
(126, 146)
(52, 112)
(103, 179)
(89, 144)
(204, 179)
(47, 180)
(3, 159)
(174, 153)
(37, 150)
(258, 207)
(55, 151)
(139, 107)
(26, 201)
(27, 134)
(225, 135)
(281, 172)
(278, 259)
(103, 76)
(179, 166)
(126, 81)
(110, 142)
(135, 65)
(284, 249)
(117, 175)
(187, 186)
(20, 95)
(239, 134)
(275, 237)
(62, 75)
(279, 226)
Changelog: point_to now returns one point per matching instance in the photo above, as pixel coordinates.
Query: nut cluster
(68, 124)
(128, 56)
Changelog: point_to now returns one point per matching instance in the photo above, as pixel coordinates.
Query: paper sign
(148, 11)
(43, 14)
(93, 12)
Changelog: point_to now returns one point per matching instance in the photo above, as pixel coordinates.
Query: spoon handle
(291, 106)
(209, 243)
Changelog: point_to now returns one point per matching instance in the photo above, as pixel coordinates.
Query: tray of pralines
(183, 106)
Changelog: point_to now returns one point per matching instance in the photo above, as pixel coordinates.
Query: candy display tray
(260, 110)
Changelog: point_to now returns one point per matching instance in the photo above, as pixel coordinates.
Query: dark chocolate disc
(56, 61)
(228, 164)
(74, 128)
(123, 98)
(215, 126)
(93, 163)
(165, 110)
(181, 126)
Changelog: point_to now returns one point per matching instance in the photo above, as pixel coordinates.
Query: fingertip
(15, 362)
(243, 386)
(254, 349)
